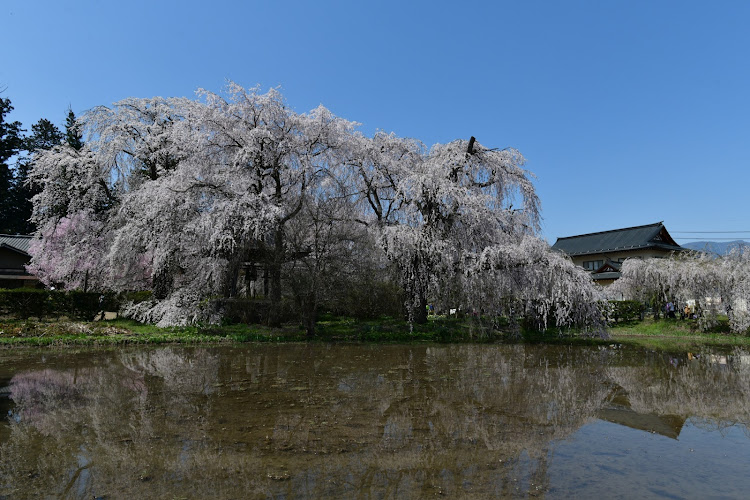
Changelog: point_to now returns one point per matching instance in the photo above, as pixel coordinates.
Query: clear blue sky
(629, 112)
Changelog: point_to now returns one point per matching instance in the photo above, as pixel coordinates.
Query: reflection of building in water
(619, 411)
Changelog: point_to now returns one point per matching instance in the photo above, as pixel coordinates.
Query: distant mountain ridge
(716, 247)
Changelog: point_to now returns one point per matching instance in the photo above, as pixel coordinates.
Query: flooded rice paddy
(354, 421)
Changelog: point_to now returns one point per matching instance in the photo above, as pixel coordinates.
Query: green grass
(328, 329)
(674, 334)
(661, 334)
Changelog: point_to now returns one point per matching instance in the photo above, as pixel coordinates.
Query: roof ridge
(611, 230)
(15, 235)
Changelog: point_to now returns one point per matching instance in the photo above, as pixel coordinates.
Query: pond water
(300, 421)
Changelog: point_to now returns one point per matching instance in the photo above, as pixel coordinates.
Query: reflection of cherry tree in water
(320, 421)
(189, 375)
(511, 404)
(712, 390)
(74, 428)
(416, 426)
(37, 394)
(63, 419)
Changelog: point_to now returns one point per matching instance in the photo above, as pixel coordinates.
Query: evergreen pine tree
(10, 144)
(44, 135)
(73, 136)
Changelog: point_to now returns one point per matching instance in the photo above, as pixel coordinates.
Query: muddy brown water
(361, 421)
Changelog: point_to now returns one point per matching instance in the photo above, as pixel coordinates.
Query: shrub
(247, 311)
(26, 303)
(368, 301)
(626, 310)
(134, 297)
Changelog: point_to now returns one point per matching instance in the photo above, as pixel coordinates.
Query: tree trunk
(419, 292)
(274, 319)
(233, 274)
(163, 281)
(420, 312)
(308, 314)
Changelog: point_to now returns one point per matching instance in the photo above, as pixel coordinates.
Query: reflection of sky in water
(81, 475)
(607, 460)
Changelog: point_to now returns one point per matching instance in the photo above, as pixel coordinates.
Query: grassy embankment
(123, 331)
(661, 334)
(675, 334)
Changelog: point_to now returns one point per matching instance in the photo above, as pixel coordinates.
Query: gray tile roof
(615, 265)
(19, 243)
(618, 240)
(606, 276)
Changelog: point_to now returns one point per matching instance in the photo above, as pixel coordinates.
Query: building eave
(626, 249)
(14, 249)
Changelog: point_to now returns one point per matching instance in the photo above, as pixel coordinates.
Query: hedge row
(31, 303)
(626, 310)
(249, 311)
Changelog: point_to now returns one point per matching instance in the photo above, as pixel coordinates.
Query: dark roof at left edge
(19, 243)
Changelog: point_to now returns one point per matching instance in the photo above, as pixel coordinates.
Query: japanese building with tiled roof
(14, 255)
(602, 253)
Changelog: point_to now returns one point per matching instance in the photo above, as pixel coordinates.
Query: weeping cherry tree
(176, 196)
(718, 285)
